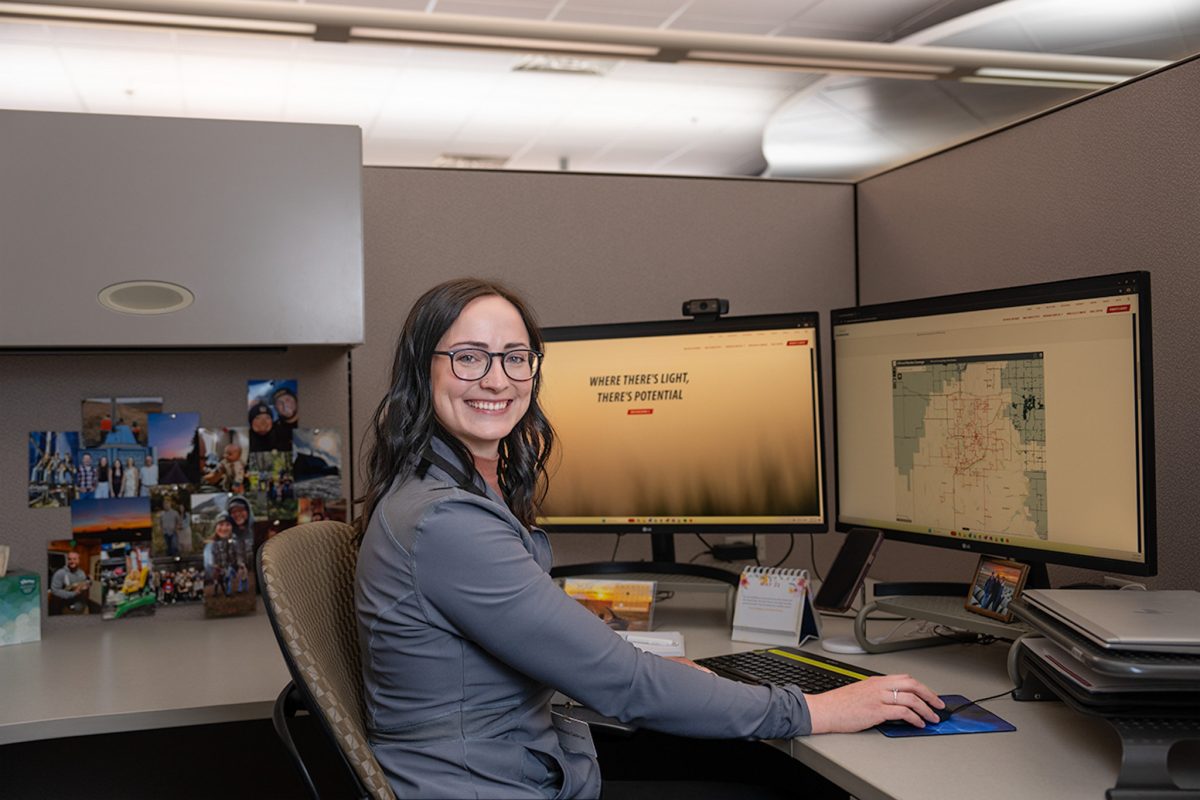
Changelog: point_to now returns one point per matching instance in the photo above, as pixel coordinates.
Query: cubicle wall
(583, 248)
(44, 391)
(1107, 184)
(598, 248)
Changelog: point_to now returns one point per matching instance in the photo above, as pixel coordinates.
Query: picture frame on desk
(997, 582)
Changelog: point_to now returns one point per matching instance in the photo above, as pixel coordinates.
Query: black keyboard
(781, 665)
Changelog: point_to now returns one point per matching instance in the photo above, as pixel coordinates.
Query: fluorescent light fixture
(880, 67)
(340, 23)
(439, 39)
(1034, 83)
(792, 66)
(1046, 75)
(161, 19)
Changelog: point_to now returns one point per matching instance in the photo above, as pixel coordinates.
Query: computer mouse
(944, 714)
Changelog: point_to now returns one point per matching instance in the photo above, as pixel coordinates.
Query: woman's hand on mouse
(882, 698)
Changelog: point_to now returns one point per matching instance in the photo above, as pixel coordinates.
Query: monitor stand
(941, 603)
(662, 563)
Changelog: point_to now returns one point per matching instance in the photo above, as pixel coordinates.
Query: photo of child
(223, 459)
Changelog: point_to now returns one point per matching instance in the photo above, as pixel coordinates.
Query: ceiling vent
(465, 161)
(564, 65)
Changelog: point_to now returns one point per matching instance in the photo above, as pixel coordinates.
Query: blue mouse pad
(971, 719)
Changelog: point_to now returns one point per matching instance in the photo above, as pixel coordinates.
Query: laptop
(1093, 682)
(1165, 621)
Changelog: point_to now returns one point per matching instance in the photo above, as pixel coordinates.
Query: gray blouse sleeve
(473, 574)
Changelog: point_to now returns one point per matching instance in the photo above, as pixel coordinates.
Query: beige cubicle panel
(1109, 183)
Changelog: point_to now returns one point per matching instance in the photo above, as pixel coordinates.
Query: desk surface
(177, 668)
(174, 668)
(1054, 751)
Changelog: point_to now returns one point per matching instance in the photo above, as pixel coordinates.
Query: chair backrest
(307, 575)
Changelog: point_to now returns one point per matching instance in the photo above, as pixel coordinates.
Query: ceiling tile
(1060, 27)
(234, 45)
(33, 78)
(537, 11)
(774, 11)
(998, 105)
(864, 14)
(330, 92)
(429, 104)
(600, 16)
(545, 5)
(114, 81)
(392, 5)
(1003, 34)
(87, 35)
(21, 31)
(698, 22)
(807, 30)
(241, 88)
(664, 7)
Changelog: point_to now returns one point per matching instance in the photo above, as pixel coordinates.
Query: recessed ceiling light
(145, 297)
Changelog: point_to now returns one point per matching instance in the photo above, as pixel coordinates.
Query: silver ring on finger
(895, 696)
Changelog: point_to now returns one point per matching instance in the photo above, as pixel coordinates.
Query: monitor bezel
(1133, 283)
(732, 324)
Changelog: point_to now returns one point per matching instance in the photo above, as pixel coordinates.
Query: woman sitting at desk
(465, 637)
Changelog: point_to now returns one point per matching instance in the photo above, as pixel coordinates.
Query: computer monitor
(1014, 422)
(697, 426)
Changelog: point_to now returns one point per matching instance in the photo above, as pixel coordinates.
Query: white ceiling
(415, 104)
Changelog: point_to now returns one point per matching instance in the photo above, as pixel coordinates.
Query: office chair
(307, 579)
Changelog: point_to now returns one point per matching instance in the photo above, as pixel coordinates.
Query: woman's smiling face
(480, 413)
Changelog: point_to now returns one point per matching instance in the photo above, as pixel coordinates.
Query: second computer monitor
(1015, 422)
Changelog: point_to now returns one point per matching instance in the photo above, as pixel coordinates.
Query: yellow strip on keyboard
(820, 664)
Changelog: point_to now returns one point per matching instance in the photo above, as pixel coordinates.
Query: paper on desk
(661, 643)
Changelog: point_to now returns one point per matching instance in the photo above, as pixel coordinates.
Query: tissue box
(20, 607)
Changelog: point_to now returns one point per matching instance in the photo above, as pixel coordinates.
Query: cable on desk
(970, 703)
(963, 637)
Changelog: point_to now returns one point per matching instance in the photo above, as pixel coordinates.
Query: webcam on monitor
(710, 307)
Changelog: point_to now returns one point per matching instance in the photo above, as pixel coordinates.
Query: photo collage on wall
(166, 512)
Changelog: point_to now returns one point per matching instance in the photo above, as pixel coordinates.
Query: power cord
(791, 546)
(970, 703)
(812, 554)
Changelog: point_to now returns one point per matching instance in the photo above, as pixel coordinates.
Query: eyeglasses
(472, 364)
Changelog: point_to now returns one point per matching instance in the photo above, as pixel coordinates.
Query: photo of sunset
(115, 519)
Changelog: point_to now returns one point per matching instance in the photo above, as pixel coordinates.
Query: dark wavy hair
(405, 422)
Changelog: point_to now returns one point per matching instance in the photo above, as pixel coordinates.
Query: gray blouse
(465, 637)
